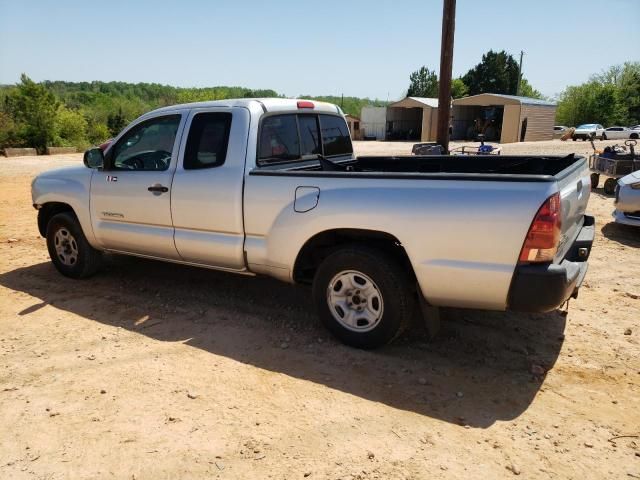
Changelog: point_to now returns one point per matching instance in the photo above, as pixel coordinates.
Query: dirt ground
(151, 371)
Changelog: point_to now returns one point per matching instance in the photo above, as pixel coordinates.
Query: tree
(496, 73)
(610, 98)
(526, 90)
(424, 83)
(116, 122)
(458, 88)
(33, 109)
(71, 129)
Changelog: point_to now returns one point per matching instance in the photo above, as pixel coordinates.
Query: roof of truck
(267, 104)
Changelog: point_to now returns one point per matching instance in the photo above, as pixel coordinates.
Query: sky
(297, 47)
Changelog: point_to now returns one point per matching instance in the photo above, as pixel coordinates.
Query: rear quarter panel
(463, 237)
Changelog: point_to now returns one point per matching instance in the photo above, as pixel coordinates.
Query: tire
(604, 136)
(573, 138)
(595, 180)
(360, 277)
(68, 248)
(610, 186)
(634, 136)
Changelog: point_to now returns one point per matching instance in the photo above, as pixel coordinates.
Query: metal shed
(503, 118)
(412, 118)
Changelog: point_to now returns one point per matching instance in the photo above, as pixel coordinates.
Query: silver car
(628, 200)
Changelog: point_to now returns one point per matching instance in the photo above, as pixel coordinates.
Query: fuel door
(306, 199)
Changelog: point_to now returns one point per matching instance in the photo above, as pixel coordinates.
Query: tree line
(608, 98)
(79, 114)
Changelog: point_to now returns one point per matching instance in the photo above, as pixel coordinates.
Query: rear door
(206, 194)
(131, 197)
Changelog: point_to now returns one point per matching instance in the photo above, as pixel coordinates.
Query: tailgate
(574, 185)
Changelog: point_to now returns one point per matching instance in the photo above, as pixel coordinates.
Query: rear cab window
(302, 136)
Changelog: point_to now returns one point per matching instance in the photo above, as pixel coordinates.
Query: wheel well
(318, 247)
(47, 211)
(634, 136)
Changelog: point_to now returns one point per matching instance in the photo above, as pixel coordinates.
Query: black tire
(396, 296)
(87, 260)
(634, 136)
(595, 180)
(610, 186)
(604, 136)
(573, 138)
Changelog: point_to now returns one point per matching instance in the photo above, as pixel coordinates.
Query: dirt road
(152, 371)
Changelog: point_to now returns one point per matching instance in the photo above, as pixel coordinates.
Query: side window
(147, 146)
(335, 136)
(207, 141)
(309, 134)
(279, 138)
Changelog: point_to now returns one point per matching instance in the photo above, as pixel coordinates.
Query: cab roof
(267, 105)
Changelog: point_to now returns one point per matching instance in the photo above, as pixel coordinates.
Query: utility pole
(341, 100)
(446, 66)
(520, 74)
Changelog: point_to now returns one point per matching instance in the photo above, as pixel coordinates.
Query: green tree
(33, 108)
(423, 83)
(71, 129)
(610, 98)
(526, 90)
(496, 73)
(458, 88)
(116, 122)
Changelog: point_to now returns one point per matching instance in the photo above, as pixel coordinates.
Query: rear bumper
(626, 219)
(543, 288)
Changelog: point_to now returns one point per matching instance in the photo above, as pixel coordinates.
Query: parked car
(628, 200)
(618, 133)
(271, 187)
(559, 130)
(635, 127)
(589, 130)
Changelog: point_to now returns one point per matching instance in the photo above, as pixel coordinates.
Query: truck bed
(476, 167)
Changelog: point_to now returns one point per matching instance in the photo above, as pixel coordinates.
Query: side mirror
(94, 158)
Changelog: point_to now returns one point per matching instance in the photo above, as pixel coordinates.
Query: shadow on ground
(625, 234)
(476, 373)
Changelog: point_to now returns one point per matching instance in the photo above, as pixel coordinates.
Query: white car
(589, 130)
(618, 133)
(559, 130)
(628, 200)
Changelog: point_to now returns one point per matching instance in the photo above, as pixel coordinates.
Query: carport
(502, 118)
(413, 118)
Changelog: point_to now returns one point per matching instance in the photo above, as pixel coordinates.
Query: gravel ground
(152, 370)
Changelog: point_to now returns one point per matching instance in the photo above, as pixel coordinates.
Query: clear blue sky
(301, 47)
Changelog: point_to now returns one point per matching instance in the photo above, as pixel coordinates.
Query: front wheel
(363, 296)
(610, 186)
(69, 249)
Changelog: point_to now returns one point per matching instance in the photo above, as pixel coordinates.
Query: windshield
(587, 125)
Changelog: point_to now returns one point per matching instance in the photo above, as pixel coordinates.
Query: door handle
(157, 188)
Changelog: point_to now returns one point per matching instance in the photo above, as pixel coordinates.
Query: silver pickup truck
(271, 187)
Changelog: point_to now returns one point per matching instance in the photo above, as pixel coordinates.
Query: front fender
(69, 186)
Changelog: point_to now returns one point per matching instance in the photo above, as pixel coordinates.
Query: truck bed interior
(441, 164)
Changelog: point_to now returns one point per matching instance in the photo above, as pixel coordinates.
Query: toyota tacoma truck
(272, 187)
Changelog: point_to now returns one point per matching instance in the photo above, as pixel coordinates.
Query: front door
(131, 196)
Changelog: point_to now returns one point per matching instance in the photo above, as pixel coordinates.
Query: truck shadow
(476, 373)
(625, 234)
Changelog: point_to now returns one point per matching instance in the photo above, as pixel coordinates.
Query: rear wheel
(634, 136)
(595, 180)
(363, 296)
(69, 249)
(610, 186)
(573, 138)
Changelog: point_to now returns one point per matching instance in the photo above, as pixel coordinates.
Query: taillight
(305, 104)
(541, 243)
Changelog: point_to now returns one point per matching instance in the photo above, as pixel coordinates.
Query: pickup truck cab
(271, 187)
